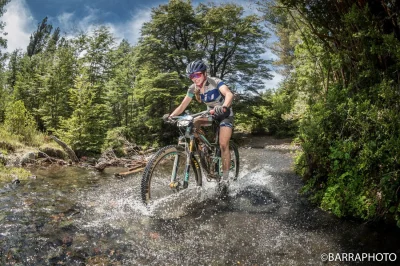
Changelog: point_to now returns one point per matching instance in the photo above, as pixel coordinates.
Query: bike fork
(173, 183)
(189, 152)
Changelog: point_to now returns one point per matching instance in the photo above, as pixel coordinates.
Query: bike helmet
(195, 66)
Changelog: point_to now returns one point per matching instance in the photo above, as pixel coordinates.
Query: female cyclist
(218, 97)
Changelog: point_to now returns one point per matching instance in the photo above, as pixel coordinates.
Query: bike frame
(191, 147)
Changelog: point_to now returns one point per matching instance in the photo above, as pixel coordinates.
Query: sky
(123, 17)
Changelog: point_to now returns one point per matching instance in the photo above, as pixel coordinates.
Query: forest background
(340, 97)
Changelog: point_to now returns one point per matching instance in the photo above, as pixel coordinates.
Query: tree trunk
(67, 149)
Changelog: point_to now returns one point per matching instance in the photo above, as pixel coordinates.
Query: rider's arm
(227, 94)
(185, 102)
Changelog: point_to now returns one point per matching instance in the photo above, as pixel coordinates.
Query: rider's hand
(221, 111)
(167, 118)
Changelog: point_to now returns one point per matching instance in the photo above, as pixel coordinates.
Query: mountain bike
(170, 168)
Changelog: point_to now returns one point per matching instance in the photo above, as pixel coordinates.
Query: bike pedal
(211, 177)
(173, 184)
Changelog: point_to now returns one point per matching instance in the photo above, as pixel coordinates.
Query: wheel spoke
(157, 176)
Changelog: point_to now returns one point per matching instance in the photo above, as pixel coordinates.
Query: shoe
(223, 186)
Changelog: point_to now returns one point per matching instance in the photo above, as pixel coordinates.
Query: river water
(73, 216)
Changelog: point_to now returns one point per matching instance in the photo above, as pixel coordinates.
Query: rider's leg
(201, 122)
(225, 133)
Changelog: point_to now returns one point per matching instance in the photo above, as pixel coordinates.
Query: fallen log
(130, 164)
(134, 164)
(130, 171)
(68, 150)
(103, 164)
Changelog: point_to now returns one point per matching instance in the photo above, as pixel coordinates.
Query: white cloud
(135, 24)
(274, 82)
(71, 24)
(129, 30)
(19, 25)
(66, 21)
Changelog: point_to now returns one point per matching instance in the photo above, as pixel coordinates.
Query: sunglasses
(195, 75)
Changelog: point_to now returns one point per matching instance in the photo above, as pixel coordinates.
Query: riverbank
(19, 158)
(265, 142)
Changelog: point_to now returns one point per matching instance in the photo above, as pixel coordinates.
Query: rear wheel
(156, 179)
(235, 164)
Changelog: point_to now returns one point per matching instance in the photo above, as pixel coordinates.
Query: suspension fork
(189, 152)
(173, 183)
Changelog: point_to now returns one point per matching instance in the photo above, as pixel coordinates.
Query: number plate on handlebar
(184, 121)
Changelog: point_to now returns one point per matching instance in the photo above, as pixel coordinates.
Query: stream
(75, 216)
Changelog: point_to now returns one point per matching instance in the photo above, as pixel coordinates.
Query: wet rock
(11, 186)
(13, 160)
(6, 146)
(28, 157)
(3, 159)
(67, 240)
(55, 153)
(91, 161)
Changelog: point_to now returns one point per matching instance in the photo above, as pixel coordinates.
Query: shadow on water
(250, 199)
(254, 199)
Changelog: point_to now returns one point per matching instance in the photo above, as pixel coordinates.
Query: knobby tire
(154, 163)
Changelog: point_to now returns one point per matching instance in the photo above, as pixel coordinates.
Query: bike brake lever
(206, 114)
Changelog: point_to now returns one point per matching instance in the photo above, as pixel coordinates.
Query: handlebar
(192, 116)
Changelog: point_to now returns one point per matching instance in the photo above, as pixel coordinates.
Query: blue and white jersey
(212, 96)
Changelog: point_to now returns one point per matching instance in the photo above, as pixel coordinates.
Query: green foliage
(4, 93)
(156, 94)
(3, 41)
(8, 141)
(270, 113)
(39, 39)
(59, 79)
(119, 87)
(230, 42)
(86, 128)
(345, 68)
(350, 157)
(20, 122)
(82, 87)
(8, 174)
(116, 140)
(168, 41)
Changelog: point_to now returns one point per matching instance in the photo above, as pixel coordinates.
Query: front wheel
(165, 173)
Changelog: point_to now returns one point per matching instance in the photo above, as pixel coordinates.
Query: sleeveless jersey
(212, 96)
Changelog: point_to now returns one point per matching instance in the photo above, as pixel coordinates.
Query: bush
(20, 122)
(350, 155)
(8, 174)
(115, 140)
